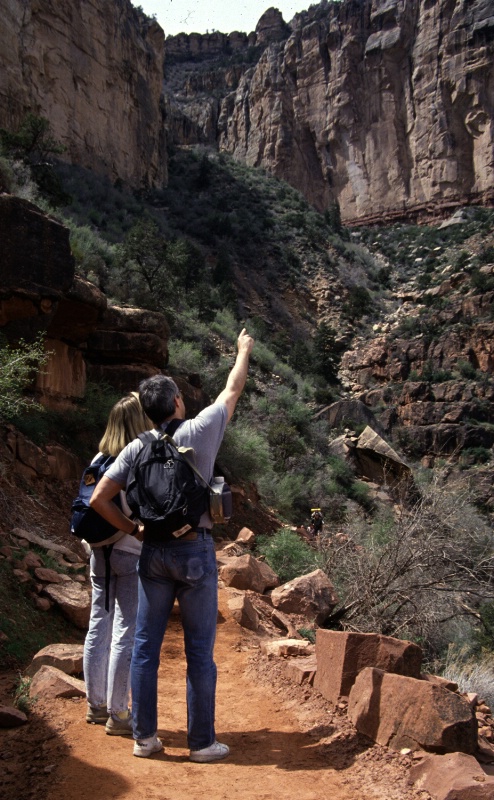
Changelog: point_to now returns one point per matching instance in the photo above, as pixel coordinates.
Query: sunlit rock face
(383, 105)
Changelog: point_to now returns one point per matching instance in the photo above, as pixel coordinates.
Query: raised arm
(237, 377)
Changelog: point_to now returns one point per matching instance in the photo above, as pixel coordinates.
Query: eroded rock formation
(383, 106)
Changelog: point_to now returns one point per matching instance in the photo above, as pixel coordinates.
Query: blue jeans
(186, 571)
(109, 640)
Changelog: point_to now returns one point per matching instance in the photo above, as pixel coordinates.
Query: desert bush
(244, 453)
(412, 576)
(18, 367)
(287, 554)
(185, 356)
(288, 493)
(472, 673)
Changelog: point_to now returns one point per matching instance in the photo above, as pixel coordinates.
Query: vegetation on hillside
(224, 246)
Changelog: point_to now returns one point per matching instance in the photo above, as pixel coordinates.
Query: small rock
(11, 717)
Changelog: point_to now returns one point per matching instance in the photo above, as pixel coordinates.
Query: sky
(199, 16)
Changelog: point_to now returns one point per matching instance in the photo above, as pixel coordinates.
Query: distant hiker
(182, 568)
(317, 521)
(113, 565)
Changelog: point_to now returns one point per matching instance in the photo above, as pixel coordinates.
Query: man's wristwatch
(135, 530)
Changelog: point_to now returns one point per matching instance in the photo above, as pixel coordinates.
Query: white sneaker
(146, 747)
(214, 752)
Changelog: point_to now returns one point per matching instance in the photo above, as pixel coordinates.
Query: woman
(110, 638)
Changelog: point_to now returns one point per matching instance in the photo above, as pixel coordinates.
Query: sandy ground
(285, 741)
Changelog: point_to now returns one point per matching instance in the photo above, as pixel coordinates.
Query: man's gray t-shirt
(204, 433)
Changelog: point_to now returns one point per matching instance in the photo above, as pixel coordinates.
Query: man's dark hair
(157, 396)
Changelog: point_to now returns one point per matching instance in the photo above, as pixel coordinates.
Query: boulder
(312, 595)
(375, 459)
(245, 572)
(65, 657)
(301, 670)
(287, 647)
(350, 413)
(401, 712)
(73, 601)
(46, 575)
(454, 776)
(341, 655)
(246, 536)
(439, 681)
(50, 682)
(244, 612)
(269, 577)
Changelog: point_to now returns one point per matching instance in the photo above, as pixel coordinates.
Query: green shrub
(287, 554)
(288, 493)
(474, 455)
(184, 356)
(244, 453)
(358, 303)
(18, 367)
(466, 370)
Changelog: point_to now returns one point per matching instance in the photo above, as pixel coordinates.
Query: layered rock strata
(385, 107)
(84, 336)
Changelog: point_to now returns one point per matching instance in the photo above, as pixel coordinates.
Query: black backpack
(86, 523)
(162, 488)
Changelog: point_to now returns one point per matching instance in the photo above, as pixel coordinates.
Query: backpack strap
(107, 549)
(172, 426)
(170, 429)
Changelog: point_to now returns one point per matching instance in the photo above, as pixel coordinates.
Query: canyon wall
(94, 69)
(385, 106)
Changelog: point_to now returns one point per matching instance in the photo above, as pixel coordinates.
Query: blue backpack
(85, 522)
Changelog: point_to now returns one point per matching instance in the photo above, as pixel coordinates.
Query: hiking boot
(97, 716)
(214, 752)
(120, 724)
(146, 747)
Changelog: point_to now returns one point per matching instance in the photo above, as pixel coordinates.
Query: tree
(327, 352)
(34, 144)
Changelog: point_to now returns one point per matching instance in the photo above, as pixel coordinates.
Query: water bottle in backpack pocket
(220, 501)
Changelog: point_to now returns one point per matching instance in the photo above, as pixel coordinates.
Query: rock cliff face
(94, 69)
(383, 105)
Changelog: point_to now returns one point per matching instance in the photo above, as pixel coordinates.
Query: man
(317, 521)
(183, 568)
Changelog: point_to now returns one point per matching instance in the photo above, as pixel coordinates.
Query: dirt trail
(283, 740)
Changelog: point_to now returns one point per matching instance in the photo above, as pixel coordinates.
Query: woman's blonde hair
(125, 422)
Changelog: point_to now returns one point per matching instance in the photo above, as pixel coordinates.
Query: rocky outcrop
(384, 107)
(85, 338)
(94, 70)
(433, 392)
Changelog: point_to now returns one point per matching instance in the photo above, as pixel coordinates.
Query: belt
(190, 536)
